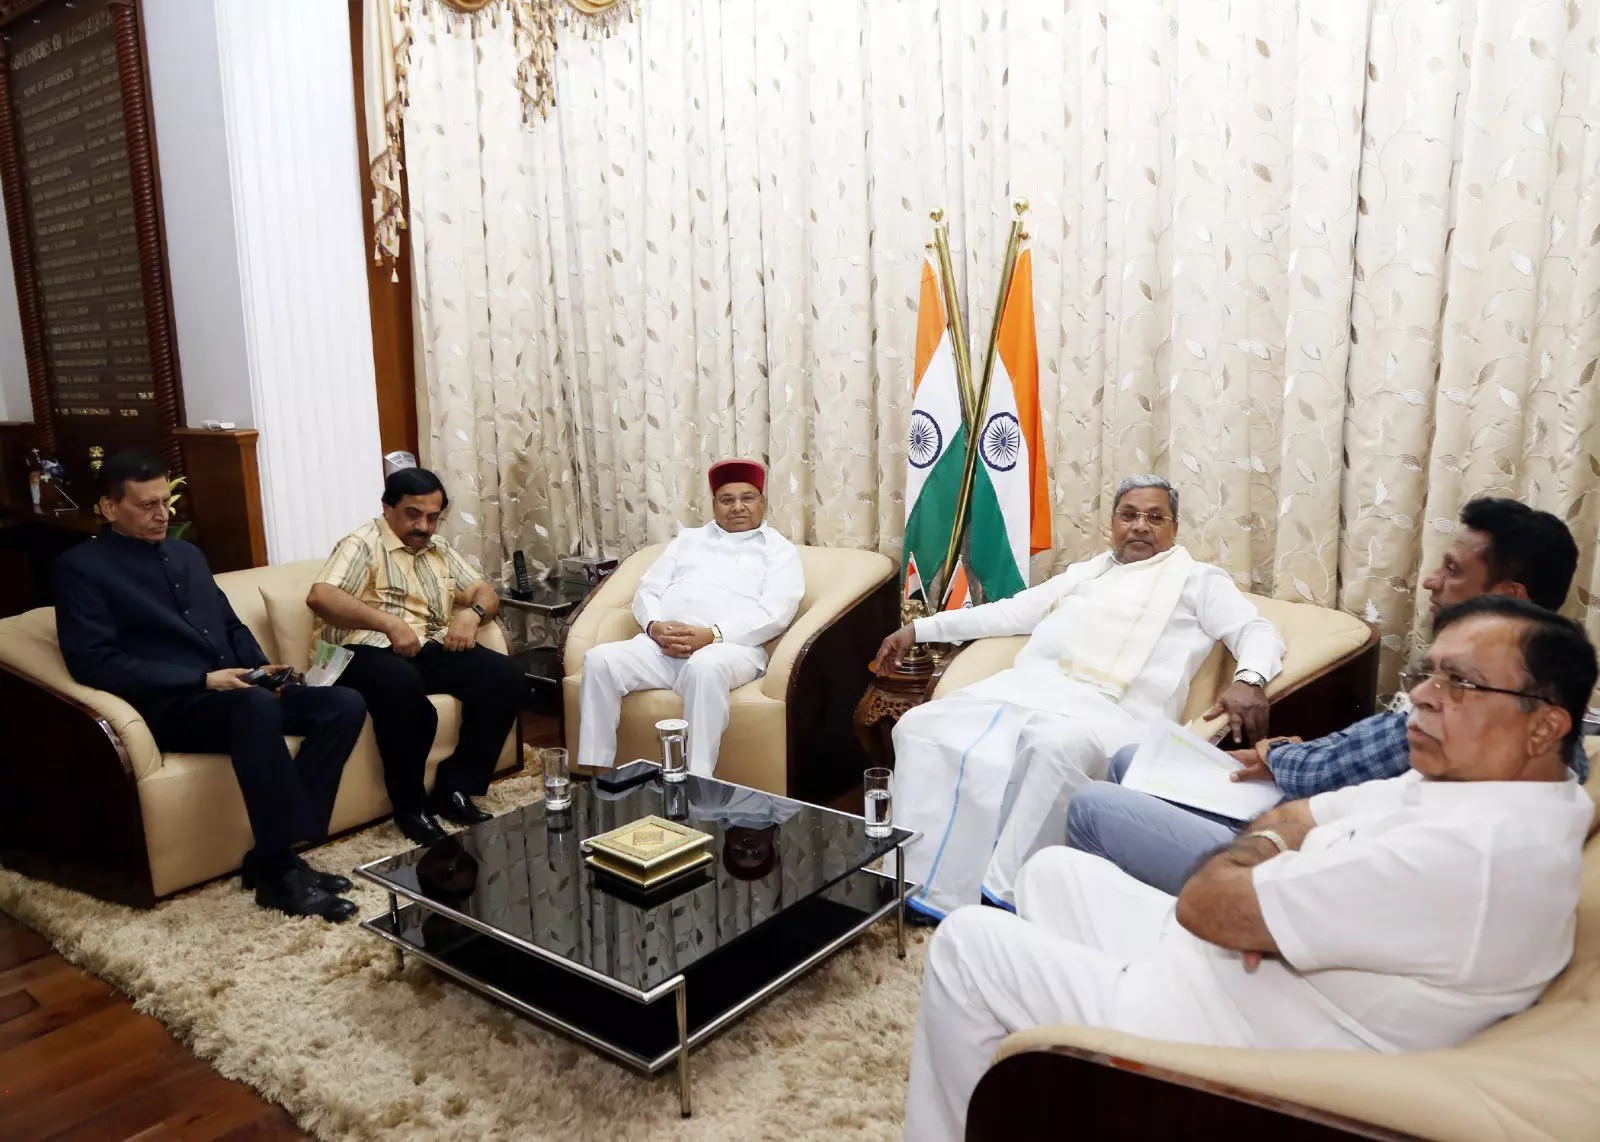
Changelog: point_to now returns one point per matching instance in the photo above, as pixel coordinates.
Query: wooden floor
(78, 1063)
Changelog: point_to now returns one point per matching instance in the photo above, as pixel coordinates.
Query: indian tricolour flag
(937, 445)
(1010, 496)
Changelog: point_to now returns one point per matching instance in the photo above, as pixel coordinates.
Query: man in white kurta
(1404, 914)
(986, 774)
(706, 607)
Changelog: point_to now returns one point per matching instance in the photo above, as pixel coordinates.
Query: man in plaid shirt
(1501, 548)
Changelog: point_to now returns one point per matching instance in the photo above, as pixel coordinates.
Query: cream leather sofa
(1532, 1078)
(788, 731)
(86, 798)
(1329, 676)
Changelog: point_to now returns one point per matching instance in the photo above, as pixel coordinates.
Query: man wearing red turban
(706, 607)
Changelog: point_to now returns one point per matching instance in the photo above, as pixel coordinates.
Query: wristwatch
(1249, 678)
(1270, 835)
(483, 615)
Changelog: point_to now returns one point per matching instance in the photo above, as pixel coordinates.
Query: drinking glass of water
(557, 781)
(674, 748)
(880, 802)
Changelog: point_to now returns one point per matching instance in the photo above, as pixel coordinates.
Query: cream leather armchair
(87, 799)
(1329, 678)
(1532, 1078)
(788, 731)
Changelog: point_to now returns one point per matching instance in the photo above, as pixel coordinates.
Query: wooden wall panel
(14, 445)
(224, 496)
(393, 354)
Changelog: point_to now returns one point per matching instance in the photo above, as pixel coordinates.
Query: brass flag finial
(1020, 205)
(936, 213)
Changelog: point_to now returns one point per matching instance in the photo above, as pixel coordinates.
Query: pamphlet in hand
(327, 663)
(1176, 765)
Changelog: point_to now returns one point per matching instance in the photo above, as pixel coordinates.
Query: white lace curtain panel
(1330, 266)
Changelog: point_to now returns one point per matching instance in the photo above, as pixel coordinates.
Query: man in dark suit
(139, 615)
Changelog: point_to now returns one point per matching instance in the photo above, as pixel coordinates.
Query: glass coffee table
(509, 909)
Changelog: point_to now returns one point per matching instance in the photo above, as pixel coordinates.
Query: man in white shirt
(1405, 914)
(707, 606)
(986, 773)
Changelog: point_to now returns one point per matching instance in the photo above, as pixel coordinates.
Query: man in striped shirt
(408, 607)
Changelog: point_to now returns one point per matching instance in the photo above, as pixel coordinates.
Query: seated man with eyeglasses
(1404, 914)
(706, 607)
(138, 614)
(1501, 548)
(986, 774)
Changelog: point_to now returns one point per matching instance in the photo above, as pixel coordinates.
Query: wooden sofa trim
(830, 673)
(65, 756)
(1069, 1091)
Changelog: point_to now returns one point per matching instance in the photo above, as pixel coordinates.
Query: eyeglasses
(747, 499)
(1129, 517)
(1454, 687)
(153, 507)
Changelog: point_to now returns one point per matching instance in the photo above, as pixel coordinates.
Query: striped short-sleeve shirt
(374, 564)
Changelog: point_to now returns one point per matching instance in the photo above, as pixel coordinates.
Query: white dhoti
(987, 783)
(1080, 952)
(987, 772)
(703, 680)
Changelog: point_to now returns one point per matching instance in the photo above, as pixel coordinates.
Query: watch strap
(1271, 835)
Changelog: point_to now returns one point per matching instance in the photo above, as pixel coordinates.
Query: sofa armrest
(852, 578)
(1121, 1099)
(596, 619)
(69, 795)
(492, 636)
(976, 661)
(28, 649)
(824, 662)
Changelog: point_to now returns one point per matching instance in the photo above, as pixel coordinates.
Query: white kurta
(986, 773)
(747, 584)
(1415, 914)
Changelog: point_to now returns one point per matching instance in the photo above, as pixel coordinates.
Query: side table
(890, 696)
(535, 628)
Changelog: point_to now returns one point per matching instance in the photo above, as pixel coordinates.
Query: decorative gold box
(648, 851)
(658, 875)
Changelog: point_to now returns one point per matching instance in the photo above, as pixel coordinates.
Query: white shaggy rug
(319, 1019)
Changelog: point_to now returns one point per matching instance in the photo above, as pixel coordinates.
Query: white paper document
(1176, 765)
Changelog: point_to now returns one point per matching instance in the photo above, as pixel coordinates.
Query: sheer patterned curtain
(1326, 265)
(1477, 290)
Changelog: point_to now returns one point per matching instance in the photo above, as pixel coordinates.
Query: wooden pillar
(224, 494)
(388, 289)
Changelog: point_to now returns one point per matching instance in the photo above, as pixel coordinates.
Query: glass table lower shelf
(637, 1028)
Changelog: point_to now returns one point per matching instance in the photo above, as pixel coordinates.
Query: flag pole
(954, 321)
(970, 471)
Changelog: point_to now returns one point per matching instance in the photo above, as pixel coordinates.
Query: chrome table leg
(900, 898)
(394, 919)
(682, 998)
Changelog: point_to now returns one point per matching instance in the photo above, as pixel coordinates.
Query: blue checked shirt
(1372, 749)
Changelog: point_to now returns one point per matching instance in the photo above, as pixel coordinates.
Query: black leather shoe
(420, 828)
(292, 894)
(330, 882)
(458, 807)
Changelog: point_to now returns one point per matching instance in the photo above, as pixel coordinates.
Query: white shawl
(1109, 649)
